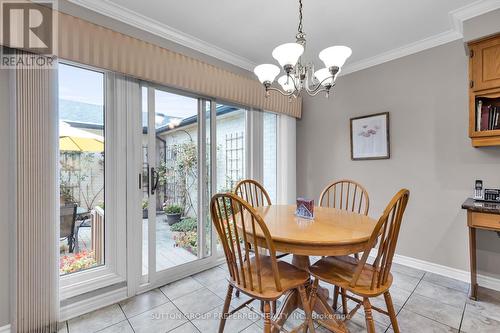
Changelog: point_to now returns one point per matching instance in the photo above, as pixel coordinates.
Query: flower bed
(187, 240)
(185, 234)
(77, 262)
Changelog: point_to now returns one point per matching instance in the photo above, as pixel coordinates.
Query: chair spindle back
(347, 195)
(237, 224)
(252, 192)
(385, 234)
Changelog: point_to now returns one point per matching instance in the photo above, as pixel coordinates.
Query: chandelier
(300, 77)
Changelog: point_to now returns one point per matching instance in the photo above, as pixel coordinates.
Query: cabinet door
(486, 64)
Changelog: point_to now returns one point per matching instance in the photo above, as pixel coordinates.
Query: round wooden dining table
(332, 232)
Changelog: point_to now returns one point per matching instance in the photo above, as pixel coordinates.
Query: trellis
(235, 159)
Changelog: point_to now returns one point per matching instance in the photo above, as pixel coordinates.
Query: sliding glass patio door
(190, 148)
(176, 185)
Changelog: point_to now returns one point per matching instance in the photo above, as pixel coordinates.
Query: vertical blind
(36, 201)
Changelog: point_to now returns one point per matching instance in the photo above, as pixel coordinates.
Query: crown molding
(418, 46)
(457, 17)
(157, 28)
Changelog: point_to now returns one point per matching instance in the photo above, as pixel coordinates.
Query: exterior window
(231, 146)
(81, 168)
(270, 154)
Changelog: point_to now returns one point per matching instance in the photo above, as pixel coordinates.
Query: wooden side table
(480, 215)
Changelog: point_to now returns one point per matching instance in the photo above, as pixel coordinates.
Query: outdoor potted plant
(145, 209)
(173, 213)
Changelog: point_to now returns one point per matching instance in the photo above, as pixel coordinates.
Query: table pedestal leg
(323, 311)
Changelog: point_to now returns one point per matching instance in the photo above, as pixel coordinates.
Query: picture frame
(370, 137)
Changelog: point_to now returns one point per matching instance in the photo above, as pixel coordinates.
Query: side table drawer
(483, 220)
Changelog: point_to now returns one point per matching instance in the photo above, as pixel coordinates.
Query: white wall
(427, 97)
(6, 197)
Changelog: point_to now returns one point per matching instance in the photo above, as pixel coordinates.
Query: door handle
(154, 180)
(145, 176)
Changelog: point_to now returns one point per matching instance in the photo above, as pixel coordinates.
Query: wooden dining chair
(252, 192)
(360, 278)
(256, 195)
(347, 195)
(259, 276)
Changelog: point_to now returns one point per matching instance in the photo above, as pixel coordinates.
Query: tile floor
(425, 302)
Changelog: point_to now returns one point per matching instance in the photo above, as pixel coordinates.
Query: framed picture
(370, 137)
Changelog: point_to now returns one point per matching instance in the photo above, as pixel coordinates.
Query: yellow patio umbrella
(74, 139)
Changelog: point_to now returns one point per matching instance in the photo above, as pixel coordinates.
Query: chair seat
(340, 271)
(291, 277)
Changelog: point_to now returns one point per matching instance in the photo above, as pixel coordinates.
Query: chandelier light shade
(266, 72)
(288, 54)
(299, 77)
(335, 56)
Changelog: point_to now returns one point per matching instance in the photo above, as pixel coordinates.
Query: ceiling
(245, 32)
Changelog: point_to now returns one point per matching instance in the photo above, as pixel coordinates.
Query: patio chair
(85, 223)
(67, 225)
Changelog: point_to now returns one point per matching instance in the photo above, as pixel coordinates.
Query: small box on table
(305, 208)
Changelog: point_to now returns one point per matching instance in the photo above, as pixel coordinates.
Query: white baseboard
(458, 274)
(5, 329)
(78, 308)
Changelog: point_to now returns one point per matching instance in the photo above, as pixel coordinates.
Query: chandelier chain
(300, 17)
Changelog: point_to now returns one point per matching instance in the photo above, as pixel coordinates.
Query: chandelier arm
(281, 92)
(315, 88)
(294, 83)
(314, 93)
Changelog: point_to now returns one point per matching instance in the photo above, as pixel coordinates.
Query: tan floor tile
(158, 320)
(97, 320)
(445, 281)
(433, 309)
(180, 288)
(121, 327)
(185, 328)
(475, 321)
(409, 321)
(198, 302)
(445, 295)
(143, 302)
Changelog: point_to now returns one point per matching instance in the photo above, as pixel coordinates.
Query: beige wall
(426, 95)
(6, 198)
